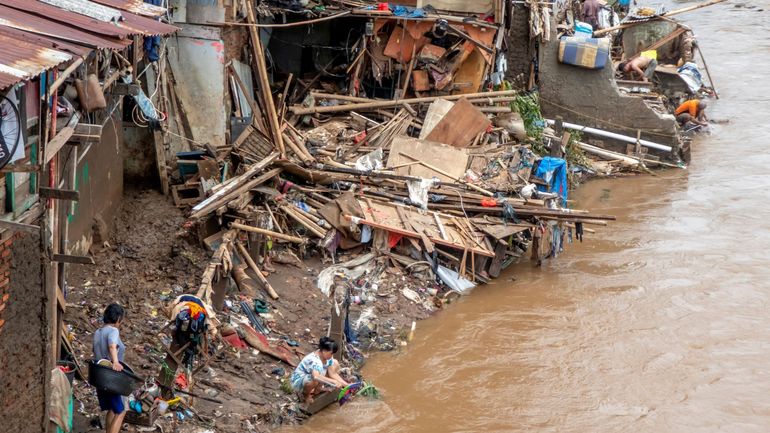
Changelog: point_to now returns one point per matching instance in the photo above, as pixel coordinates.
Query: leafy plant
(528, 108)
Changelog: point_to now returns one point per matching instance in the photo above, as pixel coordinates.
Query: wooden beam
(231, 188)
(266, 232)
(299, 110)
(264, 83)
(160, 159)
(59, 194)
(65, 74)
(55, 144)
(20, 168)
(19, 227)
(68, 258)
(260, 276)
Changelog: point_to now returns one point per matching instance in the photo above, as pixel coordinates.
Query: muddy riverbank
(657, 324)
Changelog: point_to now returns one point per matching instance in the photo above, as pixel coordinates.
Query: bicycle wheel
(10, 130)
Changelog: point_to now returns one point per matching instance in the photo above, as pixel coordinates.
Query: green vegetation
(528, 108)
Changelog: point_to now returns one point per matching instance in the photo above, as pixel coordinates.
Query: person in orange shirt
(692, 110)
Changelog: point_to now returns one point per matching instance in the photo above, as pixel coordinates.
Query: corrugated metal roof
(132, 24)
(44, 41)
(72, 19)
(146, 26)
(35, 36)
(17, 19)
(21, 59)
(138, 7)
(88, 8)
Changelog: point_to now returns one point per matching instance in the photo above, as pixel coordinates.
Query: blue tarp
(554, 172)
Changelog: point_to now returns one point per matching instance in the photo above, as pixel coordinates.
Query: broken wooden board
(500, 231)
(470, 75)
(322, 401)
(460, 126)
(385, 216)
(401, 45)
(465, 6)
(436, 111)
(450, 159)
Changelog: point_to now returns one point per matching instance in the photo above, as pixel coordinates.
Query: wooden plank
(321, 401)
(68, 258)
(20, 168)
(464, 6)
(460, 125)
(233, 187)
(470, 74)
(160, 158)
(266, 232)
(436, 111)
(260, 276)
(55, 144)
(405, 221)
(450, 160)
(19, 227)
(409, 233)
(497, 262)
(59, 194)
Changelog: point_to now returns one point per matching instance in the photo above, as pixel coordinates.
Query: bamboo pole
(260, 276)
(65, 74)
(264, 83)
(266, 232)
(661, 16)
(396, 102)
(318, 231)
(708, 74)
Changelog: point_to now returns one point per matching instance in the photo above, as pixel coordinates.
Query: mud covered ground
(151, 257)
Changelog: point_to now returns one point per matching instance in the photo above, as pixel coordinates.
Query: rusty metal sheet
(146, 26)
(199, 72)
(45, 41)
(71, 19)
(17, 19)
(138, 7)
(21, 59)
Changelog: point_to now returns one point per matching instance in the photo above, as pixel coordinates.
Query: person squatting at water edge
(693, 111)
(318, 368)
(110, 350)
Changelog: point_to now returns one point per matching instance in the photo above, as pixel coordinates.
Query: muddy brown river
(657, 323)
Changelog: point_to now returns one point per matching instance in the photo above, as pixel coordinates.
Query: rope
(294, 24)
(606, 122)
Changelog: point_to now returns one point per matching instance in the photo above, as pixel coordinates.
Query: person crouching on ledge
(316, 369)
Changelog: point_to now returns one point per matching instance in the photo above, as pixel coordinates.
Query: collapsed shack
(395, 167)
(578, 77)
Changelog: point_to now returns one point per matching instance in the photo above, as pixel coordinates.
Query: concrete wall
(139, 165)
(591, 98)
(100, 182)
(24, 346)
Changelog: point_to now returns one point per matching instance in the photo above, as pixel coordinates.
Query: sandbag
(90, 94)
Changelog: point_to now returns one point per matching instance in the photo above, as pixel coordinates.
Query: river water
(657, 323)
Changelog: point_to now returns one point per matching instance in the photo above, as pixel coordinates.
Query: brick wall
(23, 336)
(5, 273)
(520, 48)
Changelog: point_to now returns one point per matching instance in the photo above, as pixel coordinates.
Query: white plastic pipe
(608, 134)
